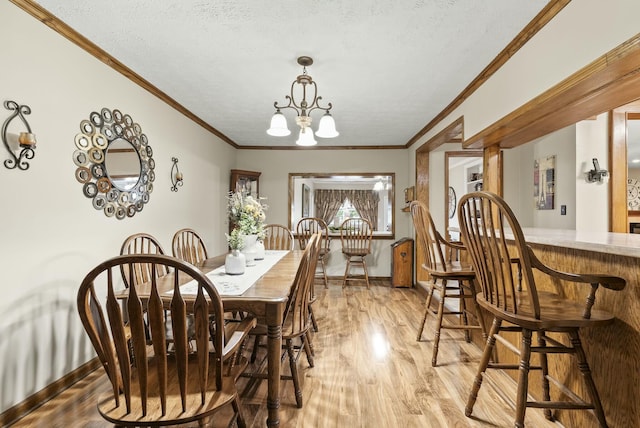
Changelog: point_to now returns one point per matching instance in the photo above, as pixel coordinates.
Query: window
(346, 211)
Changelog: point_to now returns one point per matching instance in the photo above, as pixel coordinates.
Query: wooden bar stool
(444, 270)
(485, 220)
(356, 235)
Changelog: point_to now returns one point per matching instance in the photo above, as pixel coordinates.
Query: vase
(249, 249)
(259, 247)
(234, 263)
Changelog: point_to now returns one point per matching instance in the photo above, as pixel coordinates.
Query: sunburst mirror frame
(119, 198)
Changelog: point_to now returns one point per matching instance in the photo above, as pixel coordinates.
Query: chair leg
(346, 272)
(544, 364)
(294, 373)
(306, 343)
(484, 362)
(583, 365)
(426, 312)
(309, 343)
(464, 319)
(479, 312)
(438, 328)
(254, 351)
(523, 379)
(314, 323)
(366, 274)
(324, 271)
(239, 418)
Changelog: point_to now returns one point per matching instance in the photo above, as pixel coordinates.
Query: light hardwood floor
(369, 372)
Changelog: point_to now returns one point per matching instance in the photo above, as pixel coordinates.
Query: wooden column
(492, 169)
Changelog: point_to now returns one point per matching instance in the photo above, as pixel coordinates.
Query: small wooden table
(266, 299)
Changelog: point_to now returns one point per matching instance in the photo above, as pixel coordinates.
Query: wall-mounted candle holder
(27, 140)
(176, 175)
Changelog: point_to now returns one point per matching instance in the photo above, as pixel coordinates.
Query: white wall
(592, 199)
(274, 184)
(51, 234)
(562, 145)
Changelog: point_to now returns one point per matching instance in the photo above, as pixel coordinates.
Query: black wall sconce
(176, 175)
(26, 139)
(597, 174)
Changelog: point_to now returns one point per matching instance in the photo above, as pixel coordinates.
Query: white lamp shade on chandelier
(327, 127)
(303, 107)
(306, 138)
(279, 126)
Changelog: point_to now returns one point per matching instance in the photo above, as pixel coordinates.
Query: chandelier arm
(291, 105)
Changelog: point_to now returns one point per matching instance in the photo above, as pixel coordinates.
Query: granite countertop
(623, 244)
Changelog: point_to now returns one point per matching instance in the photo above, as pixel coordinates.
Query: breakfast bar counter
(613, 351)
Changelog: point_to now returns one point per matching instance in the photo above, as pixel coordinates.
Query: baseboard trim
(37, 399)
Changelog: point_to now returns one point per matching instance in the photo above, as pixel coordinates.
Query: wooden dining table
(265, 299)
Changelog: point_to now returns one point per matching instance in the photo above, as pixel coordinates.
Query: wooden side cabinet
(247, 182)
(402, 263)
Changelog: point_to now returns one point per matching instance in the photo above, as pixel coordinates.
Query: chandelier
(302, 107)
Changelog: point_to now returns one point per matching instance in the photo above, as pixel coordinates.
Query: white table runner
(235, 285)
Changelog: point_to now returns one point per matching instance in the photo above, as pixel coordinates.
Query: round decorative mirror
(114, 163)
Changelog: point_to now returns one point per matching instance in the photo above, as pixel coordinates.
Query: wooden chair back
(297, 315)
(484, 219)
(429, 238)
(187, 245)
(150, 386)
(307, 226)
(356, 235)
(278, 237)
(141, 243)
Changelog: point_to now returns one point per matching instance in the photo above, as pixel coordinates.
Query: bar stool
(355, 236)
(485, 219)
(443, 269)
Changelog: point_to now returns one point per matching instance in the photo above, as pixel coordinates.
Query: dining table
(263, 291)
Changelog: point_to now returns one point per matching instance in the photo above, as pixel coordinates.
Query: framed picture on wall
(305, 200)
(544, 181)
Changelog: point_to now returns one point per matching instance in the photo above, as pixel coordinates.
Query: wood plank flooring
(369, 372)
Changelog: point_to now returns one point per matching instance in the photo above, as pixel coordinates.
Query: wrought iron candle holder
(176, 175)
(26, 139)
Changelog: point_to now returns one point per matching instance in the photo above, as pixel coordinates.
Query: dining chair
(448, 276)
(493, 237)
(278, 237)
(150, 386)
(306, 227)
(141, 243)
(355, 236)
(296, 324)
(187, 245)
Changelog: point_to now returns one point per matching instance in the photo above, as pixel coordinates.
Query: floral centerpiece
(247, 213)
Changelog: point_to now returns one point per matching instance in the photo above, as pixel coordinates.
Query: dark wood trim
(618, 169)
(608, 82)
(33, 401)
(550, 10)
(453, 133)
(48, 19)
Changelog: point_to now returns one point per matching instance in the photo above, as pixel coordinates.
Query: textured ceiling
(388, 67)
